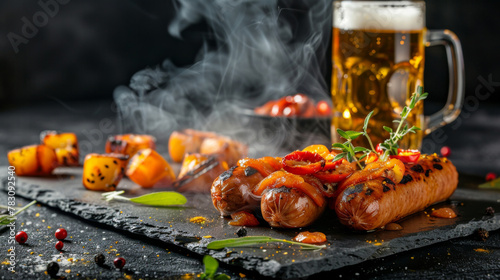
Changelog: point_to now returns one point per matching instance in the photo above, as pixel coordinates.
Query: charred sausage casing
(291, 201)
(374, 203)
(232, 191)
(289, 208)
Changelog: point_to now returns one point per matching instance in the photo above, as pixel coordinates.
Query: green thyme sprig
(389, 146)
(254, 240)
(6, 219)
(348, 151)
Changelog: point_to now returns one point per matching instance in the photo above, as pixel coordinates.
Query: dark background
(90, 47)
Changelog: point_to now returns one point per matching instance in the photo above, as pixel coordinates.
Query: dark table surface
(466, 257)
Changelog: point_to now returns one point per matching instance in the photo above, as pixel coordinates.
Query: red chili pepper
(341, 171)
(330, 176)
(330, 164)
(303, 162)
(306, 184)
(407, 155)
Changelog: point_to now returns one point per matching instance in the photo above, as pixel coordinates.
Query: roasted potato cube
(103, 172)
(64, 144)
(147, 168)
(129, 144)
(183, 142)
(33, 160)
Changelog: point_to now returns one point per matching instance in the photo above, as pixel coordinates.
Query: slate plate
(172, 225)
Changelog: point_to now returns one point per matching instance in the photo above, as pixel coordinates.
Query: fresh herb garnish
(493, 184)
(6, 219)
(254, 240)
(152, 199)
(348, 150)
(389, 146)
(211, 266)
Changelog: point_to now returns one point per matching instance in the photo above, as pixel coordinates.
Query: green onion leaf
(151, 199)
(254, 240)
(493, 184)
(160, 199)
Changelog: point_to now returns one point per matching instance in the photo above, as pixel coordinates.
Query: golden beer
(378, 62)
(376, 70)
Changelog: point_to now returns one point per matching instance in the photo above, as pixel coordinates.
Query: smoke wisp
(258, 51)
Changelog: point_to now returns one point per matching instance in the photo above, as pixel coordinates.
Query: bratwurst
(290, 200)
(233, 190)
(376, 202)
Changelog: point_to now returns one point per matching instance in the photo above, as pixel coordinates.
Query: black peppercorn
(242, 231)
(490, 211)
(482, 234)
(52, 268)
(99, 259)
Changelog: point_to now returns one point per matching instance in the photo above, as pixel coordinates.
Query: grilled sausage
(232, 191)
(289, 200)
(289, 208)
(374, 203)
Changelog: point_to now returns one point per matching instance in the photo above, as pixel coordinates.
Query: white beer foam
(401, 15)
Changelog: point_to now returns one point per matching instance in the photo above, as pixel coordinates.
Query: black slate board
(172, 225)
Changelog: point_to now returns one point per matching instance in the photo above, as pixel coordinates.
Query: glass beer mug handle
(456, 81)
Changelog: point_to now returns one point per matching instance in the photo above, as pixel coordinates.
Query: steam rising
(264, 50)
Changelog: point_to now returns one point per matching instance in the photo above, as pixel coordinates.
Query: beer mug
(378, 62)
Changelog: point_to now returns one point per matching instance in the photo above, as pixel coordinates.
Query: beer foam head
(393, 15)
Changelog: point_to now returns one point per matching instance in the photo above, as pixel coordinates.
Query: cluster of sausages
(365, 199)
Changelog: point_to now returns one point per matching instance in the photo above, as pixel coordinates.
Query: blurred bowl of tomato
(293, 121)
(293, 106)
